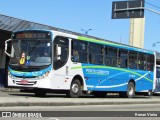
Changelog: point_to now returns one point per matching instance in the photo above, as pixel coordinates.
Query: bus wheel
(39, 92)
(130, 90)
(99, 94)
(75, 89)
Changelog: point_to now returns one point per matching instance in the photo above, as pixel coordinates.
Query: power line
(152, 5)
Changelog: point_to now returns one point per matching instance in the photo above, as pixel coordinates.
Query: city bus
(76, 64)
(157, 81)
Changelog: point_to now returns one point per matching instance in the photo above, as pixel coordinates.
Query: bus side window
(123, 58)
(96, 52)
(111, 56)
(79, 51)
(133, 64)
(150, 62)
(142, 61)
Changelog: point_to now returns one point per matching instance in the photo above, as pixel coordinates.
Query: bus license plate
(24, 82)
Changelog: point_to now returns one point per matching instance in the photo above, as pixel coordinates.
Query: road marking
(53, 118)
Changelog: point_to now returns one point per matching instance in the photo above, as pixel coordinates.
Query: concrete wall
(137, 27)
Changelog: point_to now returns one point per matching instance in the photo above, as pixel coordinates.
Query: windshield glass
(30, 53)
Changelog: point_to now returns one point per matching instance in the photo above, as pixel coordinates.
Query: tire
(130, 91)
(40, 93)
(75, 89)
(99, 94)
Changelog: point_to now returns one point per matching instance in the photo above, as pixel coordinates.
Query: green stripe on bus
(111, 44)
(98, 41)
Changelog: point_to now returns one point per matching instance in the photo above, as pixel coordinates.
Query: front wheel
(75, 89)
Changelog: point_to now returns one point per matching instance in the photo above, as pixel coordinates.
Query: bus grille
(19, 82)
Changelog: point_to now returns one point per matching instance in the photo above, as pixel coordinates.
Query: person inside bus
(75, 57)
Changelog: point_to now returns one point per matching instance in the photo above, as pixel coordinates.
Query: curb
(13, 104)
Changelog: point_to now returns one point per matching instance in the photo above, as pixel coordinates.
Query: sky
(75, 15)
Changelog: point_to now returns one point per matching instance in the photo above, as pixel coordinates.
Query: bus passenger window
(111, 56)
(133, 64)
(150, 62)
(75, 56)
(123, 58)
(79, 51)
(142, 61)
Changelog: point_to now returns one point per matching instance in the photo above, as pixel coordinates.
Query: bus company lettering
(98, 72)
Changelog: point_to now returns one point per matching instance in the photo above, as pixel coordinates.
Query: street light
(86, 31)
(154, 44)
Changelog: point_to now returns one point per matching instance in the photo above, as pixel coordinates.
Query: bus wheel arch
(80, 80)
(76, 87)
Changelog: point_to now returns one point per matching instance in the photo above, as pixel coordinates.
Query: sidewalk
(23, 99)
(8, 90)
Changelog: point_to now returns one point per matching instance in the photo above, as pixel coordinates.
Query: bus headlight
(47, 73)
(10, 75)
(44, 75)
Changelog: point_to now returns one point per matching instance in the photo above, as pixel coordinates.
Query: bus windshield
(30, 53)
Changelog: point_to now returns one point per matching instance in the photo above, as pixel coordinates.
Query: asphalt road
(128, 110)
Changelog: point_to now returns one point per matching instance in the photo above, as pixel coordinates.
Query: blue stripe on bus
(29, 74)
(106, 78)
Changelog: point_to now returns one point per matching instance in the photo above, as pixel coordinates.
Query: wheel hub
(75, 88)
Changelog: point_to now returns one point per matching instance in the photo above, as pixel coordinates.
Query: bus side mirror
(6, 47)
(58, 52)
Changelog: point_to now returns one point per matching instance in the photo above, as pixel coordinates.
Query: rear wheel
(75, 89)
(130, 91)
